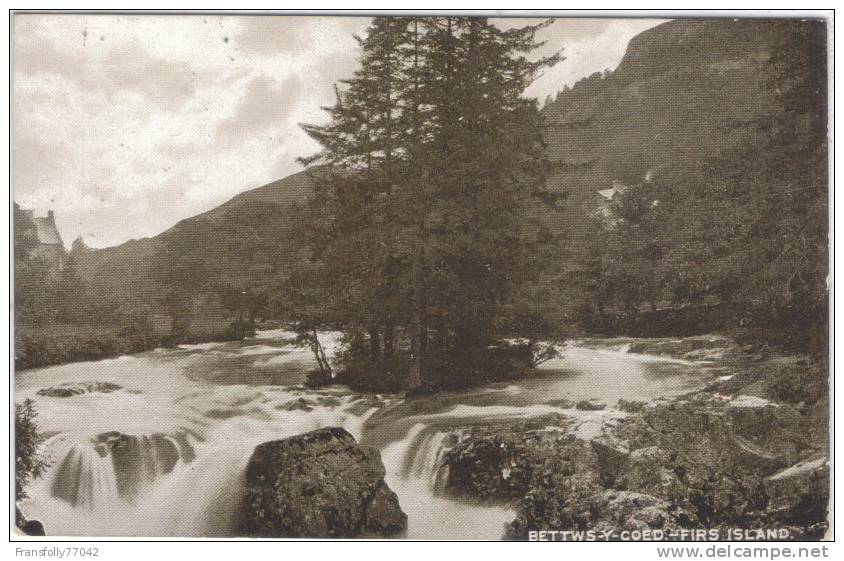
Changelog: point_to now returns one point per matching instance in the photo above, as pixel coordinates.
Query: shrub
(318, 379)
(379, 377)
(466, 367)
(239, 330)
(29, 462)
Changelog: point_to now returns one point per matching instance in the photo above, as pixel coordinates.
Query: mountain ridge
(685, 90)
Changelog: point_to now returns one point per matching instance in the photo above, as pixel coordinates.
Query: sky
(126, 124)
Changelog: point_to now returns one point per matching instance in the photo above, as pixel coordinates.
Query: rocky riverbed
(656, 435)
(749, 452)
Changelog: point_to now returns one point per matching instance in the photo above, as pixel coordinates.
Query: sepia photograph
(431, 275)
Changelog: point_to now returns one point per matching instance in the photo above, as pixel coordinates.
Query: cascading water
(414, 472)
(164, 453)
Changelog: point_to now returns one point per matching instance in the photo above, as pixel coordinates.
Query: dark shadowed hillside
(686, 91)
(236, 243)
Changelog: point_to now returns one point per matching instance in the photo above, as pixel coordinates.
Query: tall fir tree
(427, 164)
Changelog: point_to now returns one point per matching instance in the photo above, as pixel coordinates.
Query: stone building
(50, 248)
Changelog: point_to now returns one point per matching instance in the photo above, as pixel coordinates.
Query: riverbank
(54, 344)
(748, 453)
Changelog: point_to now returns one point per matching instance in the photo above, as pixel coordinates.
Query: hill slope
(236, 243)
(685, 91)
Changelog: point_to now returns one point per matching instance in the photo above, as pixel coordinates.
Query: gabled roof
(47, 231)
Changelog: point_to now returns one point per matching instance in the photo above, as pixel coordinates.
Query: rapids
(165, 454)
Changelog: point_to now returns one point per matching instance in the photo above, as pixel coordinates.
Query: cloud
(110, 70)
(269, 35)
(265, 105)
(126, 124)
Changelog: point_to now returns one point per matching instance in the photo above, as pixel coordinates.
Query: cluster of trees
(58, 320)
(245, 304)
(417, 232)
(747, 226)
(42, 295)
(421, 241)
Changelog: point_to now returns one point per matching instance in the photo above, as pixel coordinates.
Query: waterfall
(175, 465)
(418, 456)
(182, 484)
(84, 478)
(115, 465)
(416, 473)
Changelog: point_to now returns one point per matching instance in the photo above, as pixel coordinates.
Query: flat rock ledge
(320, 484)
(78, 388)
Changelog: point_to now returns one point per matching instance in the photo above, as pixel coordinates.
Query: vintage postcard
(423, 276)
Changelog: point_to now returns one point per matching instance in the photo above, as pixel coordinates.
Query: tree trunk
(389, 333)
(374, 344)
(319, 353)
(420, 323)
(442, 333)
(419, 330)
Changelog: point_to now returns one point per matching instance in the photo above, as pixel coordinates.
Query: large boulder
(320, 484)
(647, 470)
(612, 454)
(626, 510)
(578, 501)
(502, 461)
(741, 433)
(710, 455)
(699, 461)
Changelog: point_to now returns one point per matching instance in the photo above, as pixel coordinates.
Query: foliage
(361, 373)
(303, 299)
(29, 461)
(747, 225)
(246, 304)
(42, 296)
(31, 300)
(61, 343)
(429, 164)
(68, 293)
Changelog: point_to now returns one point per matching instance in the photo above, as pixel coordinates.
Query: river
(192, 415)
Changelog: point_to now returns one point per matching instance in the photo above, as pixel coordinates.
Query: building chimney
(51, 216)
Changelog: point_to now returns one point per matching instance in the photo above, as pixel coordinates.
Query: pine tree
(484, 163)
(359, 171)
(428, 162)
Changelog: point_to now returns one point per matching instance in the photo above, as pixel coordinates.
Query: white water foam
(170, 401)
